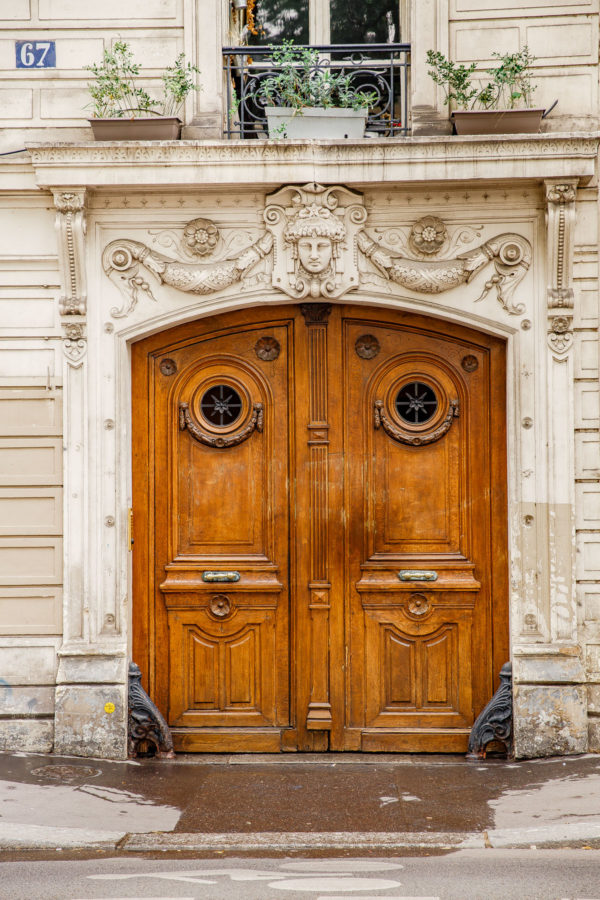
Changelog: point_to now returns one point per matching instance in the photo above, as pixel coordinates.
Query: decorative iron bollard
(145, 722)
(495, 721)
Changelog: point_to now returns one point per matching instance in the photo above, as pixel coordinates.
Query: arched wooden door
(320, 529)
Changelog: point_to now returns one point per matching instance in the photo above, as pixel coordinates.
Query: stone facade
(71, 306)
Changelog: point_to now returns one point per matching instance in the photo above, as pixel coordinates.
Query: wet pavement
(320, 799)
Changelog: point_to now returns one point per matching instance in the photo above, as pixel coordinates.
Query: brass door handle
(417, 575)
(219, 577)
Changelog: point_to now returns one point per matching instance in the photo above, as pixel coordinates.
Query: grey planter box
(497, 121)
(326, 124)
(152, 128)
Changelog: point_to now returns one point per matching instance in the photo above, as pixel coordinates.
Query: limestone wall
(475, 187)
(31, 473)
(49, 103)
(563, 36)
(587, 455)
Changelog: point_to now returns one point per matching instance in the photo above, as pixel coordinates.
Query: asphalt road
(465, 875)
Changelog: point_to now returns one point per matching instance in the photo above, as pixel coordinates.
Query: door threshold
(347, 758)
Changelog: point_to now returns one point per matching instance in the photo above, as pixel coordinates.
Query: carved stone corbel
(70, 225)
(72, 302)
(560, 221)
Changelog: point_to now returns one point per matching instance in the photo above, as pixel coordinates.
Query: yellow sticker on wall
(109, 707)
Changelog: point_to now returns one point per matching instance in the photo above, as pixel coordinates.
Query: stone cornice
(368, 161)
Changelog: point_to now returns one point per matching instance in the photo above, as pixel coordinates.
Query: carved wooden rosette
(560, 199)
(319, 707)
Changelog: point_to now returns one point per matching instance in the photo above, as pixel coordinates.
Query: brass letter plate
(220, 576)
(417, 575)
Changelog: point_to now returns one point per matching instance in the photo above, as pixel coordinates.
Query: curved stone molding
(560, 199)
(313, 238)
(70, 225)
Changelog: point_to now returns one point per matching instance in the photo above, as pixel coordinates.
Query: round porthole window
(221, 405)
(416, 403)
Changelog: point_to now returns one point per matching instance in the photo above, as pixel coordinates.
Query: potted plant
(501, 106)
(123, 111)
(303, 98)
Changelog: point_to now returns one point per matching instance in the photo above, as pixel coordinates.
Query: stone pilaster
(429, 31)
(550, 697)
(91, 700)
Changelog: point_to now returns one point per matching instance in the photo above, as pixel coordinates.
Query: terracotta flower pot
(152, 128)
(497, 121)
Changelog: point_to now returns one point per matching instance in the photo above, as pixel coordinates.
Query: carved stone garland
(311, 246)
(560, 198)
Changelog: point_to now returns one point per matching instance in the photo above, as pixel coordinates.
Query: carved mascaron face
(315, 253)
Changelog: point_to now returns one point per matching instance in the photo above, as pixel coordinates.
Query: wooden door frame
(142, 633)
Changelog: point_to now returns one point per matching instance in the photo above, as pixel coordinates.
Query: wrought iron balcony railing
(382, 69)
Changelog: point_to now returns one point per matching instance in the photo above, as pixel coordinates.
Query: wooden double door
(320, 529)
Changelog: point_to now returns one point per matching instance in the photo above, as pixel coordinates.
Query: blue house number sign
(35, 54)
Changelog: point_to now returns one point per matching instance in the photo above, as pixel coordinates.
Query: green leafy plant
(300, 81)
(115, 93)
(178, 81)
(509, 86)
(454, 79)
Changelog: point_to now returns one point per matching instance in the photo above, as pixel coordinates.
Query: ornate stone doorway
(317, 492)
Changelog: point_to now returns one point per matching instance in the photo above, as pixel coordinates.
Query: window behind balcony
(325, 22)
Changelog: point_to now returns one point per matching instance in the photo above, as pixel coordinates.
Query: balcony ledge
(177, 164)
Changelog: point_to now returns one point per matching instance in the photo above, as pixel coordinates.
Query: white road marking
(200, 876)
(340, 865)
(330, 883)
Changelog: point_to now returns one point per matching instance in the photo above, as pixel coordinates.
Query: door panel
(423, 433)
(218, 598)
(317, 491)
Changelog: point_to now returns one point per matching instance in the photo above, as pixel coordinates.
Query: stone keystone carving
(311, 245)
(314, 237)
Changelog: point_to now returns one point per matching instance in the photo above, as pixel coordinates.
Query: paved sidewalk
(300, 802)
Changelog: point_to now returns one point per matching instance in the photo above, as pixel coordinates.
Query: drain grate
(66, 773)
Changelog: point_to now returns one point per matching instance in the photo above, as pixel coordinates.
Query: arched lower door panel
(320, 529)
